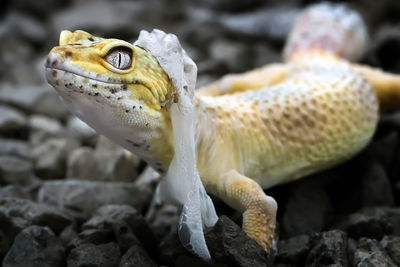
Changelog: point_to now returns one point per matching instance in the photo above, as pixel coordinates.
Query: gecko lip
(49, 68)
(67, 82)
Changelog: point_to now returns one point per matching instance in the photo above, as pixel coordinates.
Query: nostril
(68, 55)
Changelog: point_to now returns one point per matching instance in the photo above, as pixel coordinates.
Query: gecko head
(114, 86)
(108, 68)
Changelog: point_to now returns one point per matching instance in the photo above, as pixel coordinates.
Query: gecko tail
(386, 86)
(328, 28)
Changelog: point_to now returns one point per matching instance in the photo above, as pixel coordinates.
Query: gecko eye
(120, 57)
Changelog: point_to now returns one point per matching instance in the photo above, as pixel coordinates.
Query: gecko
(255, 130)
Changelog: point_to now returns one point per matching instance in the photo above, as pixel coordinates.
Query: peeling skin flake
(182, 184)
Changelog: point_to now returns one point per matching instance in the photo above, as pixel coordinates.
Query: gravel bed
(69, 197)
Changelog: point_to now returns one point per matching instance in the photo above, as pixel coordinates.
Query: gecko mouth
(50, 68)
(63, 79)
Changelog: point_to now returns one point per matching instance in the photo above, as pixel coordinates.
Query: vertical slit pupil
(119, 59)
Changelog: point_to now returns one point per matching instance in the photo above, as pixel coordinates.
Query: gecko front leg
(245, 195)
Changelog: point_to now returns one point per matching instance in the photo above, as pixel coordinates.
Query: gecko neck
(162, 143)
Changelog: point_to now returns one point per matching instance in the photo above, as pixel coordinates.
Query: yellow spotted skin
(320, 115)
(253, 130)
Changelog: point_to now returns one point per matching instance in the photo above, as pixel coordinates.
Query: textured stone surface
(81, 131)
(376, 187)
(24, 213)
(34, 99)
(35, 246)
(307, 211)
(14, 170)
(82, 164)
(14, 191)
(17, 148)
(329, 248)
(294, 250)
(126, 223)
(370, 253)
(50, 157)
(271, 23)
(392, 246)
(12, 120)
(369, 222)
(114, 162)
(229, 244)
(136, 256)
(104, 255)
(82, 198)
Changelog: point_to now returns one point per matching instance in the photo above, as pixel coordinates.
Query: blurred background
(58, 178)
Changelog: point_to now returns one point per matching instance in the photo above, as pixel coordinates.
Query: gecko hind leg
(259, 210)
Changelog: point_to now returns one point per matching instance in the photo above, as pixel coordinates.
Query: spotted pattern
(321, 115)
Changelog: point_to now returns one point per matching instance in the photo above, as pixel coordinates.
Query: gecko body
(253, 130)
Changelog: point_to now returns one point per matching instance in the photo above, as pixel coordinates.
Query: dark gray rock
(104, 255)
(68, 234)
(370, 253)
(26, 27)
(14, 170)
(43, 8)
(270, 23)
(212, 67)
(308, 210)
(127, 224)
(10, 227)
(293, 250)
(171, 249)
(81, 131)
(383, 50)
(12, 121)
(35, 246)
(227, 5)
(50, 157)
(14, 191)
(265, 54)
(81, 198)
(24, 213)
(329, 249)
(163, 219)
(43, 128)
(393, 215)
(204, 80)
(136, 256)
(97, 236)
(376, 187)
(5, 243)
(228, 244)
(120, 18)
(187, 260)
(236, 57)
(368, 222)
(382, 150)
(115, 163)
(34, 99)
(82, 164)
(17, 148)
(392, 246)
(51, 127)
